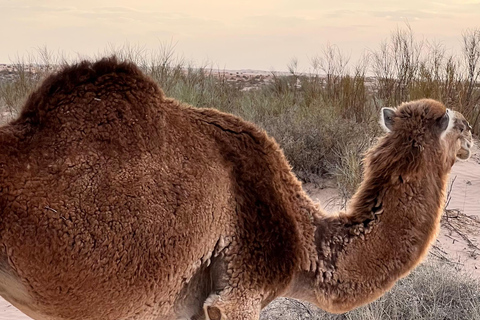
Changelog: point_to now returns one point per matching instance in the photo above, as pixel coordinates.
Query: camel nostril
(469, 145)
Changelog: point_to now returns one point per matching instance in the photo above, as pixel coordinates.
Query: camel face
(462, 134)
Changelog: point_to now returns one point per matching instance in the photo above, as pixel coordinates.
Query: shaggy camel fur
(119, 203)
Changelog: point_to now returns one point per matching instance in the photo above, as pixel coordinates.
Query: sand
(9, 312)
(458, 242)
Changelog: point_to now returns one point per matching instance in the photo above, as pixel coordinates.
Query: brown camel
(119, 203)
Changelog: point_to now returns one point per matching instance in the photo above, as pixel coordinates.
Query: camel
(117, 202)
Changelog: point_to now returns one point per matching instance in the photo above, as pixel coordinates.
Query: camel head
(424, 121)
(401, 197)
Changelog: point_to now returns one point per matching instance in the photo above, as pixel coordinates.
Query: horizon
(261, 35)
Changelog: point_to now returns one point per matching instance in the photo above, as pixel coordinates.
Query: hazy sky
(255, 34)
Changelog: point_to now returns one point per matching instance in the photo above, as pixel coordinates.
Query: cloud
(230, 32)
(409, 15)
(341, 13)
(126, 20)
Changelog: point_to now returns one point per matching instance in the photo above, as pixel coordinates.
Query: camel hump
(91, 93)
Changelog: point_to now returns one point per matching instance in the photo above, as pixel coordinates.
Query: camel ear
(442, 122)
(445, 123)
(387, 116)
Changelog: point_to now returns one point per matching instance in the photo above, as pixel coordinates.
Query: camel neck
(385, 232)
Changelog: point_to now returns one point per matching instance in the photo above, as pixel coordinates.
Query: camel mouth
(465, 150)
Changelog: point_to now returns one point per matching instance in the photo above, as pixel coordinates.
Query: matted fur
(119, 203)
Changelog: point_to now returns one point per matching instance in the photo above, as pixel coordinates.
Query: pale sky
(247, 34)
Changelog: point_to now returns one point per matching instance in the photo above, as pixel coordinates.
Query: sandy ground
(459, 239)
